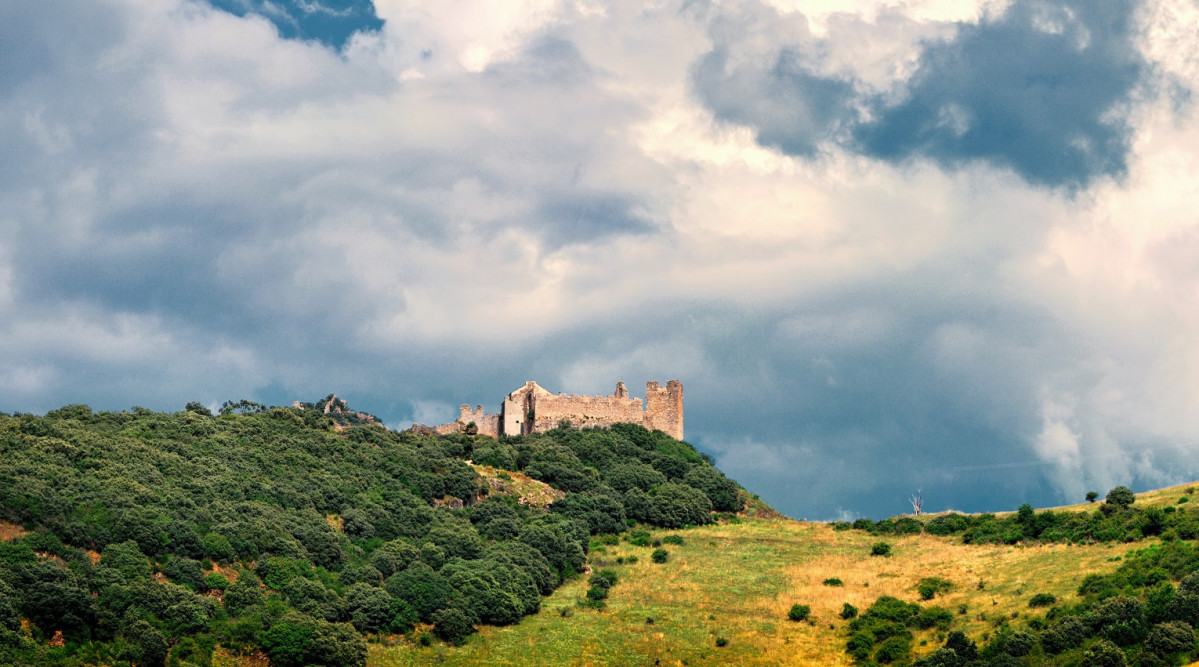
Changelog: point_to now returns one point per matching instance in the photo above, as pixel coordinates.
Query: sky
(888, 246)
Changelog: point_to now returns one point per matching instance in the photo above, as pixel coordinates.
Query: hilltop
(295, 532)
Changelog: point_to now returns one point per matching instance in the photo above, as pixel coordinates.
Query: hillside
(738, 581)
(299, 535)
(294, 532)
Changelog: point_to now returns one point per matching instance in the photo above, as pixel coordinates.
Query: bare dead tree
(917, 503)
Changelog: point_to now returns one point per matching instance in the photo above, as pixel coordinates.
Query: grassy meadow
(736, 581)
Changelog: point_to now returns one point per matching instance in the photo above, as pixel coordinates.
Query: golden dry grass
(528, 490)
(10, 531)
(738, 582)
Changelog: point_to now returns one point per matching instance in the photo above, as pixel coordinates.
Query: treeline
(1115, 520)
(157, 537)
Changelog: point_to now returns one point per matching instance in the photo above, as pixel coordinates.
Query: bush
(893, 649)
(216, 581)
(848, 611)
(1042, 600)
(933, 617)
(1016, 644)
(678, 505)
(452, 625)
(660, 555)
(1104, 654)
(603, 578)
(928, 587)
(1121, 497)
(833, 581)
(722, 642)
(1064, 636)
(1166, 639)
(676, 540)
(1121, 620)
(799, 612)
(880, 549)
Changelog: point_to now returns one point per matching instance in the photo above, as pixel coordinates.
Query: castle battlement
(533, 409)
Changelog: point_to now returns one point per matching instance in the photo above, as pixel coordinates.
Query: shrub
(1042, 600)
(960, 644)
(677, 505)
(452, 625)
(1016, 644)
(1169, 638)
(928, 587)
(848, 611)
(1104, 654)
(676, 540)
(893, 649)
(721, 641)
(799, 612)
(880, 549)
(603, 578)
(833, 581)
(933, 617)
(660, 555)
(597, 593)
(1121, 620)
(1121, 497)
(859, 645)
(1064, 636)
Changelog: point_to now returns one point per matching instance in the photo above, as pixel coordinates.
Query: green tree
(452, 625)
(1104, 653)
(678, 505)
(719, 489)
(1121, 497)
(422, 588)
(370, 608)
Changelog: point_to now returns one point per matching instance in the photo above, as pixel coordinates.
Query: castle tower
(664, 408)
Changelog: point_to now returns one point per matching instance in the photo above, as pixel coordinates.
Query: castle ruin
(533, 409)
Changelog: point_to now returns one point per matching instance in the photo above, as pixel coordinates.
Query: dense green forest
(149, 538)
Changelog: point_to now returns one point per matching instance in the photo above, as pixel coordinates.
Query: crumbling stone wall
(586, 411)
(533, 409)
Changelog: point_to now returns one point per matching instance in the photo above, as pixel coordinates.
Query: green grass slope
(737, 581)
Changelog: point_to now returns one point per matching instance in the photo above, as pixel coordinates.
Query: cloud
(198, 205)
(1042, 88)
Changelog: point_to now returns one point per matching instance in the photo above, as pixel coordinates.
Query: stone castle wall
(532, 409)
(586, 411)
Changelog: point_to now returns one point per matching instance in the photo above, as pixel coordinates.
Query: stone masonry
(533, 409)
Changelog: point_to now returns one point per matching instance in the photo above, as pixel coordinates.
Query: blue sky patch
(330, 22)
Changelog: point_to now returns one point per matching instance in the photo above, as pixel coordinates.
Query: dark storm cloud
(331, 22)
(1043, 89)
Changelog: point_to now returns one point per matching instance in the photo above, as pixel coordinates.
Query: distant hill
(141, 538)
